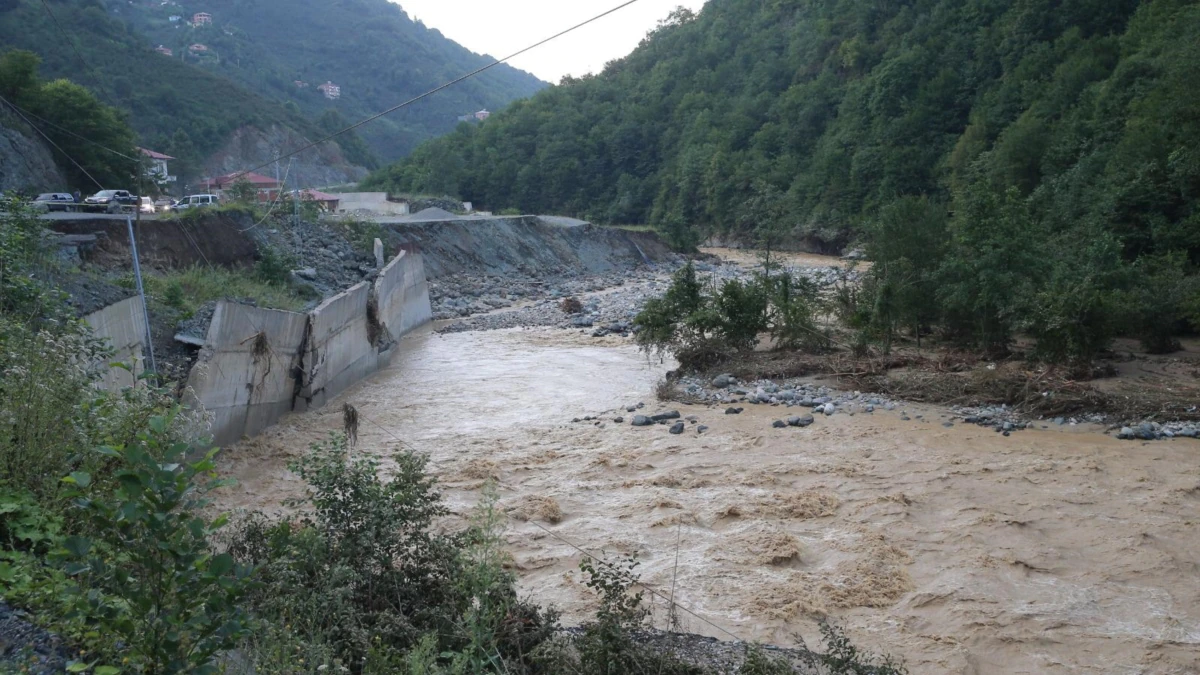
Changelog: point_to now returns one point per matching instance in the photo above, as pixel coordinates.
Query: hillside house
(331, 90)
(201, 19)
(482, 115)
(175, 18)
(300, 84)
(165, 51)
(156, 166)
(198, 49)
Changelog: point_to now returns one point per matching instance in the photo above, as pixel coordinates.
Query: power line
(67, 131)
(431, 92)
(51, 142)
(86, 66)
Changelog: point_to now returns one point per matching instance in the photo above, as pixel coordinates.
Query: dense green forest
(1026, 166)
(174, 107)
(370, 48)
(812, 115)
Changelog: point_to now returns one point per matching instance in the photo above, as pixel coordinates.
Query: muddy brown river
(956, 549)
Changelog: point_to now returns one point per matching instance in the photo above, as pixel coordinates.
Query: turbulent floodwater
(956, 549)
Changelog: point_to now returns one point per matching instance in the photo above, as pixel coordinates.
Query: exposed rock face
(26, 162)
(249, 147)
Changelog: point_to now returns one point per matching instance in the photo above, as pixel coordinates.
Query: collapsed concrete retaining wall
(257, 365)
(123, 325)
(342, 346)
(245, 377)
(402, 295)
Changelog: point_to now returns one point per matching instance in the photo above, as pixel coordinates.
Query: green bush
(608, 645)
(148, 577)
(363, 577)
(702, 328)
(842, 657)
(273, 266)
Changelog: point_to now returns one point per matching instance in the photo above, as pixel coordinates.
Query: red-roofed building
(263, 184)
(325, 201)
(202, 19)
(198, 49)
(165, 51)
(156, 166)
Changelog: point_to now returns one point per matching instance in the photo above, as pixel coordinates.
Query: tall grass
(188, 289)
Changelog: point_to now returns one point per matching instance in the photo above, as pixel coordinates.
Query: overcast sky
(501, 27)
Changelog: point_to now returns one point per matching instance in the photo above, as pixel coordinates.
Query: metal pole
(137, 274)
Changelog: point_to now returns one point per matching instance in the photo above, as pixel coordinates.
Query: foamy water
(957, 549)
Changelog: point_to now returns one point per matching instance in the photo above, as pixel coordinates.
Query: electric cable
(451, 83)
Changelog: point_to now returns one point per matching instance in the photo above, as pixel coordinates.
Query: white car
(195, 202)
(146, 205)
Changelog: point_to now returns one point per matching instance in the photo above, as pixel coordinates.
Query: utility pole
(137, 275)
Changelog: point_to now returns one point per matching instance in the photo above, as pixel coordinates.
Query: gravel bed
(26, 648)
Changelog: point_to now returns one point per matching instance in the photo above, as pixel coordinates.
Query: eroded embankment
(525, 245)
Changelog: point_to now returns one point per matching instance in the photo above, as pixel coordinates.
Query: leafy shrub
(363, 576)
(46, 379)
(242, 192)
(273, 266)
(843, 658)
(149, 578)
(173, 294)
(701, 329)
(608, 644)
(25, 256)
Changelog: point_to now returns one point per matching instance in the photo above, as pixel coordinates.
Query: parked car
(111, 201)
(162, 204)
(54, 201)
(147, 205)
(195, 202)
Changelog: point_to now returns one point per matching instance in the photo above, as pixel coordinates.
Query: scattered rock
(722, 381)
(701, 429)
(619, 420)
(642, 421)
(801, 420)
(734, 411)
(830, 409)
(677, 428)
(779, 424)
(670, 415)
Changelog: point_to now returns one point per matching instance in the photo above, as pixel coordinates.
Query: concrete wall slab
(123, 325)
(402, 295)
(246, 375)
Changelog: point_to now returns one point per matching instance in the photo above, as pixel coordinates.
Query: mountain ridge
(376, 54)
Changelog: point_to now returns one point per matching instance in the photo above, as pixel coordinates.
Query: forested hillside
(174, 107)
(370, 48)
(810, 116)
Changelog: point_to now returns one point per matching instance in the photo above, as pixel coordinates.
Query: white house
(157, 166)
(331, 90)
